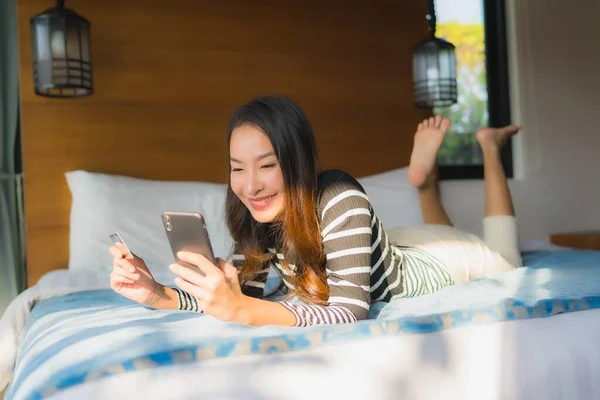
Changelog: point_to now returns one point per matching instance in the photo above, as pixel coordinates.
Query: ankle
(430, 186)
(490, 149)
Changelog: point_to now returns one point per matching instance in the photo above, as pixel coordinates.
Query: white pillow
(107, 203)
(394, 199)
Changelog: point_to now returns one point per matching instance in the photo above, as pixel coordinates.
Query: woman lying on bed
(321, 233)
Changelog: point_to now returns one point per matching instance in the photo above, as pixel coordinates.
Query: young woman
(321, 233)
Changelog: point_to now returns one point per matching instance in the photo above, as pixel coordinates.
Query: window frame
(497, 76)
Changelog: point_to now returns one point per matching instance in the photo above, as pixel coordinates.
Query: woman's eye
(235, 169)
(268, 166)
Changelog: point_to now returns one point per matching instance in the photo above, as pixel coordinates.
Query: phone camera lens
(168, 224)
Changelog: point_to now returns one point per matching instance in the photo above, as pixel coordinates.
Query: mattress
(521, 334)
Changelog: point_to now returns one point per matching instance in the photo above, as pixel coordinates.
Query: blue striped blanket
(77, 338)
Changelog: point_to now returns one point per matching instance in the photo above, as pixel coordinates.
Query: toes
(509, 130)
(438, 121)
(514, 128)
(431, 122)
(425, 123)
(445, 124)
(420, 127)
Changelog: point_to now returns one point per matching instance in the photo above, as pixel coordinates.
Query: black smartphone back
(186, 231)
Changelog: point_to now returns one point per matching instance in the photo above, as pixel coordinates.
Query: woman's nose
(253, 184)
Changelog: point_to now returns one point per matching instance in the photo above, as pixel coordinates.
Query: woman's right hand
(132, 279)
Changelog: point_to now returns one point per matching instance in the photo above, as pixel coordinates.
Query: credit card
(120, 243)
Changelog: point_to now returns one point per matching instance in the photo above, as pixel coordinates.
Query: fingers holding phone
(186, 232)
(218, 290)
(202, 270)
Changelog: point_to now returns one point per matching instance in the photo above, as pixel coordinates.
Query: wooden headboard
(168, 74)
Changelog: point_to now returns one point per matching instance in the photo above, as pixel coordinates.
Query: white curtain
(12, 260)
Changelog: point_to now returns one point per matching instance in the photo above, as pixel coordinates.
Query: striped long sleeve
(347, 221)
(256, 286)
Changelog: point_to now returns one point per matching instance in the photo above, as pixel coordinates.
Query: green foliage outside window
(471, 111)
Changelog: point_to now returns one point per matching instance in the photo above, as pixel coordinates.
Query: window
(477, 29)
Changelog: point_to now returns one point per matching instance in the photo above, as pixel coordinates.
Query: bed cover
(527, 334)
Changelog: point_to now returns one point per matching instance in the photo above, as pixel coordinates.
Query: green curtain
(12, 260)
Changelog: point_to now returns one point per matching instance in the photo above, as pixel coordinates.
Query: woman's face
(256, 176)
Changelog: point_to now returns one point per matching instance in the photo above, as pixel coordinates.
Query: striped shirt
(362, 266)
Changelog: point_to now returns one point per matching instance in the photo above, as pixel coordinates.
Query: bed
(527, 334)
(152, 138)
(517, 336)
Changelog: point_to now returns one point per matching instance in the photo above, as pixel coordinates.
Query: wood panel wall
(168, 75)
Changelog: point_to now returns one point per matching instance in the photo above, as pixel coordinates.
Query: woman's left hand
(218, 290)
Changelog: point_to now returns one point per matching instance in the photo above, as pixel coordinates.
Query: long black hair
(296, 231)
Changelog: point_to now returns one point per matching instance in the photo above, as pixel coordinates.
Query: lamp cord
(431, 17)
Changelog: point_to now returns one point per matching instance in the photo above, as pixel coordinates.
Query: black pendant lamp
(61, 53)
(434, 69)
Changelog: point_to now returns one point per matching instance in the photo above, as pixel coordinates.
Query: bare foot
(428, 139)
(495, 138)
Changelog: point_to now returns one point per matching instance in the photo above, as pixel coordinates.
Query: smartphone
(186, 231)
(120, 244)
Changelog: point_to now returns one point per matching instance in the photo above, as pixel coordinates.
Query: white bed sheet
(543, 358)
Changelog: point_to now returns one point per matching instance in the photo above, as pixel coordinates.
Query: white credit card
(120, 243)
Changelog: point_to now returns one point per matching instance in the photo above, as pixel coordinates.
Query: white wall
(556, 93)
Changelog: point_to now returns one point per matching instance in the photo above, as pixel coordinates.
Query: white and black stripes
(362, 265)
(357, 251)
(423, 274)
(187, 302)
(307, 315)
(256, 286)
